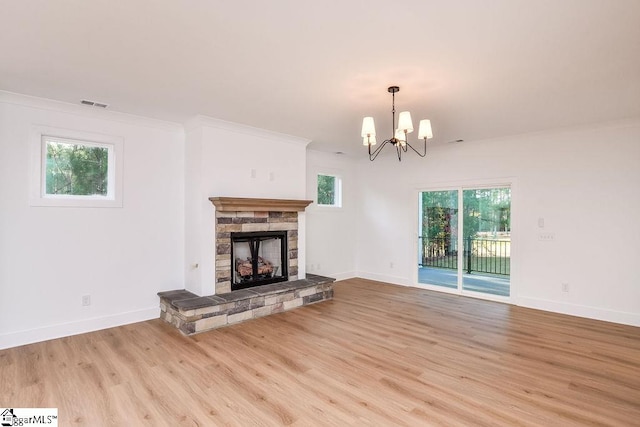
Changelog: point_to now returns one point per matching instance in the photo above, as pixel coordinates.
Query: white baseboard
(394, 280)
(15, 339)
(342, 276)
(596, 313)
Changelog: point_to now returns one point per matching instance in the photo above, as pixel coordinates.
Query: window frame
(38, 195)
(337, 189)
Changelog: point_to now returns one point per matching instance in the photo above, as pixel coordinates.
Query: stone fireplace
(246, 251)
(238, 217)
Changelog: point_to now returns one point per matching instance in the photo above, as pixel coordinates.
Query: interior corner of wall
(193, 285)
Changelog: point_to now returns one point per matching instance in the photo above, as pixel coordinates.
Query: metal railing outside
(482, 255)
(440, 253)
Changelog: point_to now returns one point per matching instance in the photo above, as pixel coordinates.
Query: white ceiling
(477, 69)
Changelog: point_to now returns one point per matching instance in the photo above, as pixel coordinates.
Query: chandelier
(399, 138)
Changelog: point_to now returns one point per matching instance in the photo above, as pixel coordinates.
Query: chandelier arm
(372, 156)
(418, 153)
(399, 152)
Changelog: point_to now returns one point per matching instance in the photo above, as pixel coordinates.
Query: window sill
(73, 202)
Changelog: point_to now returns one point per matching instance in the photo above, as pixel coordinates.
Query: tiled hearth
(192, 314)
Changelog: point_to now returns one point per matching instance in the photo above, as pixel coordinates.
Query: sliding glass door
(470, 252)
(487, 240)
(438, 241)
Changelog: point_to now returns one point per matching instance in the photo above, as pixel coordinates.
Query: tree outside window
(329, 190)
(76, 169)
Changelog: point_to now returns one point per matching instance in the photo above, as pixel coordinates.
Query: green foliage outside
(75, 169)
(439, 214)
(485, 211)
(326, 190)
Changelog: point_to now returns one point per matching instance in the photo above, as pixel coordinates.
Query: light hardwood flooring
(377, 355)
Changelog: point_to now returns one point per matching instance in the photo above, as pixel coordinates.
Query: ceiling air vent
(94, 103)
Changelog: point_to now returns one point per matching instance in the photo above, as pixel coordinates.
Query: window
(76, 169)
(329, 190)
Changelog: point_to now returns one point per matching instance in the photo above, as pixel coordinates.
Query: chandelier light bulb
(404, 122)
(368, 127)
(369, 140)
(424, 131)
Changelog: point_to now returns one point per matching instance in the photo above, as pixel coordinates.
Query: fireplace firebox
(258, 258)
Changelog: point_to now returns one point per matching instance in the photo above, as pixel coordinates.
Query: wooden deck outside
(377, 355)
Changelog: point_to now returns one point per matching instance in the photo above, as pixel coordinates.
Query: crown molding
(201, 121)
(30, 101)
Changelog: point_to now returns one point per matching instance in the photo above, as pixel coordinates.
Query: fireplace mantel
(237, 204)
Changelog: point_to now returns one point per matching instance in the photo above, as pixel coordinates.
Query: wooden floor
(377, 355)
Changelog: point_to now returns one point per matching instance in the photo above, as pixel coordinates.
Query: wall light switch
(541, 222)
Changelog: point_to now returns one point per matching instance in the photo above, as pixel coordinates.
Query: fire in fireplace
(258, 258)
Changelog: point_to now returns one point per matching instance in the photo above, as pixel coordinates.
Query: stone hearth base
(192, 314)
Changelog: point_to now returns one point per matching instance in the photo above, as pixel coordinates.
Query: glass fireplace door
(258, 258)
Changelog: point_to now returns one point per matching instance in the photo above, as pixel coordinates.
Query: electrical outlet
(546, 237)
(565, 287)
(391, 265)
(86, 300)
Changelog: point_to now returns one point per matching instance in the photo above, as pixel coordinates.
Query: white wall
(585, 184)
(230, 160)
(50, 256)
(331, 235)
